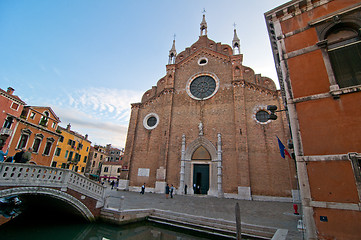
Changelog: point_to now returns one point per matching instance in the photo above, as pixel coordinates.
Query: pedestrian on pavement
(18, 156)
(3, 154)
(166, 191)
(143, 189)
(171, 191)
(112, 184)
(26, 157)
(185, 189)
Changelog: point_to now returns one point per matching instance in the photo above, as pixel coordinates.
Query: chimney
(68, 127)
(86, 136)
(10, 90)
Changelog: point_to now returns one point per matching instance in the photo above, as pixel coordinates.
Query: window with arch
(48, 145)
(25, 133)
(344, 50)
(44, 119)
(8, 122)
(37, 142)
(201, 153)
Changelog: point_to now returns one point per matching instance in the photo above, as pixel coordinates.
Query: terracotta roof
(36, 108)
(14, 97)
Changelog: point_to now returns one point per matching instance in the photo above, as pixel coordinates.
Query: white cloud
(101, 113)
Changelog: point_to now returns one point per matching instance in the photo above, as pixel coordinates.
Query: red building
(36, 128)
(11, 107)
(317, 51)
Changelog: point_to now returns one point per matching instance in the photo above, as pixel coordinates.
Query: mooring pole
(238, 222)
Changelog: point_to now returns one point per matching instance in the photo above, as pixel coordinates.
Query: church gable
(205, 124)
(204, 43)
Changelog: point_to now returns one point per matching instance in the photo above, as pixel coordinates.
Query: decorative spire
(172, 53)
(236, 43)
(204, 24)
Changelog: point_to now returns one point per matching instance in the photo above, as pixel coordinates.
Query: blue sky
(89, 59)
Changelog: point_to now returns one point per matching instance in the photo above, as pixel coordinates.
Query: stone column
(181, 185)
(219, 166)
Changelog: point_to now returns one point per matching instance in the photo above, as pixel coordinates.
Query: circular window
(202, 61)
(262, 116)
(151, 121)
(202, 86)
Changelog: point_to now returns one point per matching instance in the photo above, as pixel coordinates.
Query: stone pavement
(271, 214)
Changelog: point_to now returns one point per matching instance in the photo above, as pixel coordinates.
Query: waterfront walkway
(271, 214)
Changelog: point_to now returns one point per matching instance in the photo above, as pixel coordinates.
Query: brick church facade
(205, 126)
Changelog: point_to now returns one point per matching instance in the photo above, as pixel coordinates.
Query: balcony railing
(6, 131)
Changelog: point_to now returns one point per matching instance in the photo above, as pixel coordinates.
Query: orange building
(36, 128)
(317, 51)
(11, 107)
(72, 150)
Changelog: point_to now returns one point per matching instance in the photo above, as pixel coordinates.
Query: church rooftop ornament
(236, 43)
(203, 25)
(172, 53)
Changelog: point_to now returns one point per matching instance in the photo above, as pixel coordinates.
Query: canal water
(97, 231)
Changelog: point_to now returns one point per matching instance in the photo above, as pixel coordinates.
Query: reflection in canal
(42, 217)
(96, 231)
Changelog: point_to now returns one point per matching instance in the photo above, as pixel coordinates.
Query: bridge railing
(18, 174)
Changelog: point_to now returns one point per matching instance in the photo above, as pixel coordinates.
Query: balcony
(6, 131)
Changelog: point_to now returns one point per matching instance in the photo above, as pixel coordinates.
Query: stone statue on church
(200, 127)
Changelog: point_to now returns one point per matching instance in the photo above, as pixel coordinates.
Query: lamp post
(273, 116)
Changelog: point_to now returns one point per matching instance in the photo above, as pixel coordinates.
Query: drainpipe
(219, 166)
(181, 186)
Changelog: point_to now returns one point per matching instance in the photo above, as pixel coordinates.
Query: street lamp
(272, 109)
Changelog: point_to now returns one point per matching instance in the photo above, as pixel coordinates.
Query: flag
(283, 149)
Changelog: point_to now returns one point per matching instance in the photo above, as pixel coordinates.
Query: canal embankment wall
(218, 227)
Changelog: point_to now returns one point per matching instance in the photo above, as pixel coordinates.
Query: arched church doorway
(201, 178)
(201, 159)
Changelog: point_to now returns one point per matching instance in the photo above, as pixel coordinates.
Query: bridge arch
(67, 198)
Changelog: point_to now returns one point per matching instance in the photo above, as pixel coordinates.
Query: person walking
(166, 191)
(171, 191)
(185, 189)
(18, 155)
(143, 189)
(26, 157)
(112, 184)
(3, 154)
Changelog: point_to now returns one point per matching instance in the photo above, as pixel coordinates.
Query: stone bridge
(40, 182)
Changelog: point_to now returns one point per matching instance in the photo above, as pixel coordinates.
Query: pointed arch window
(201, 153)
